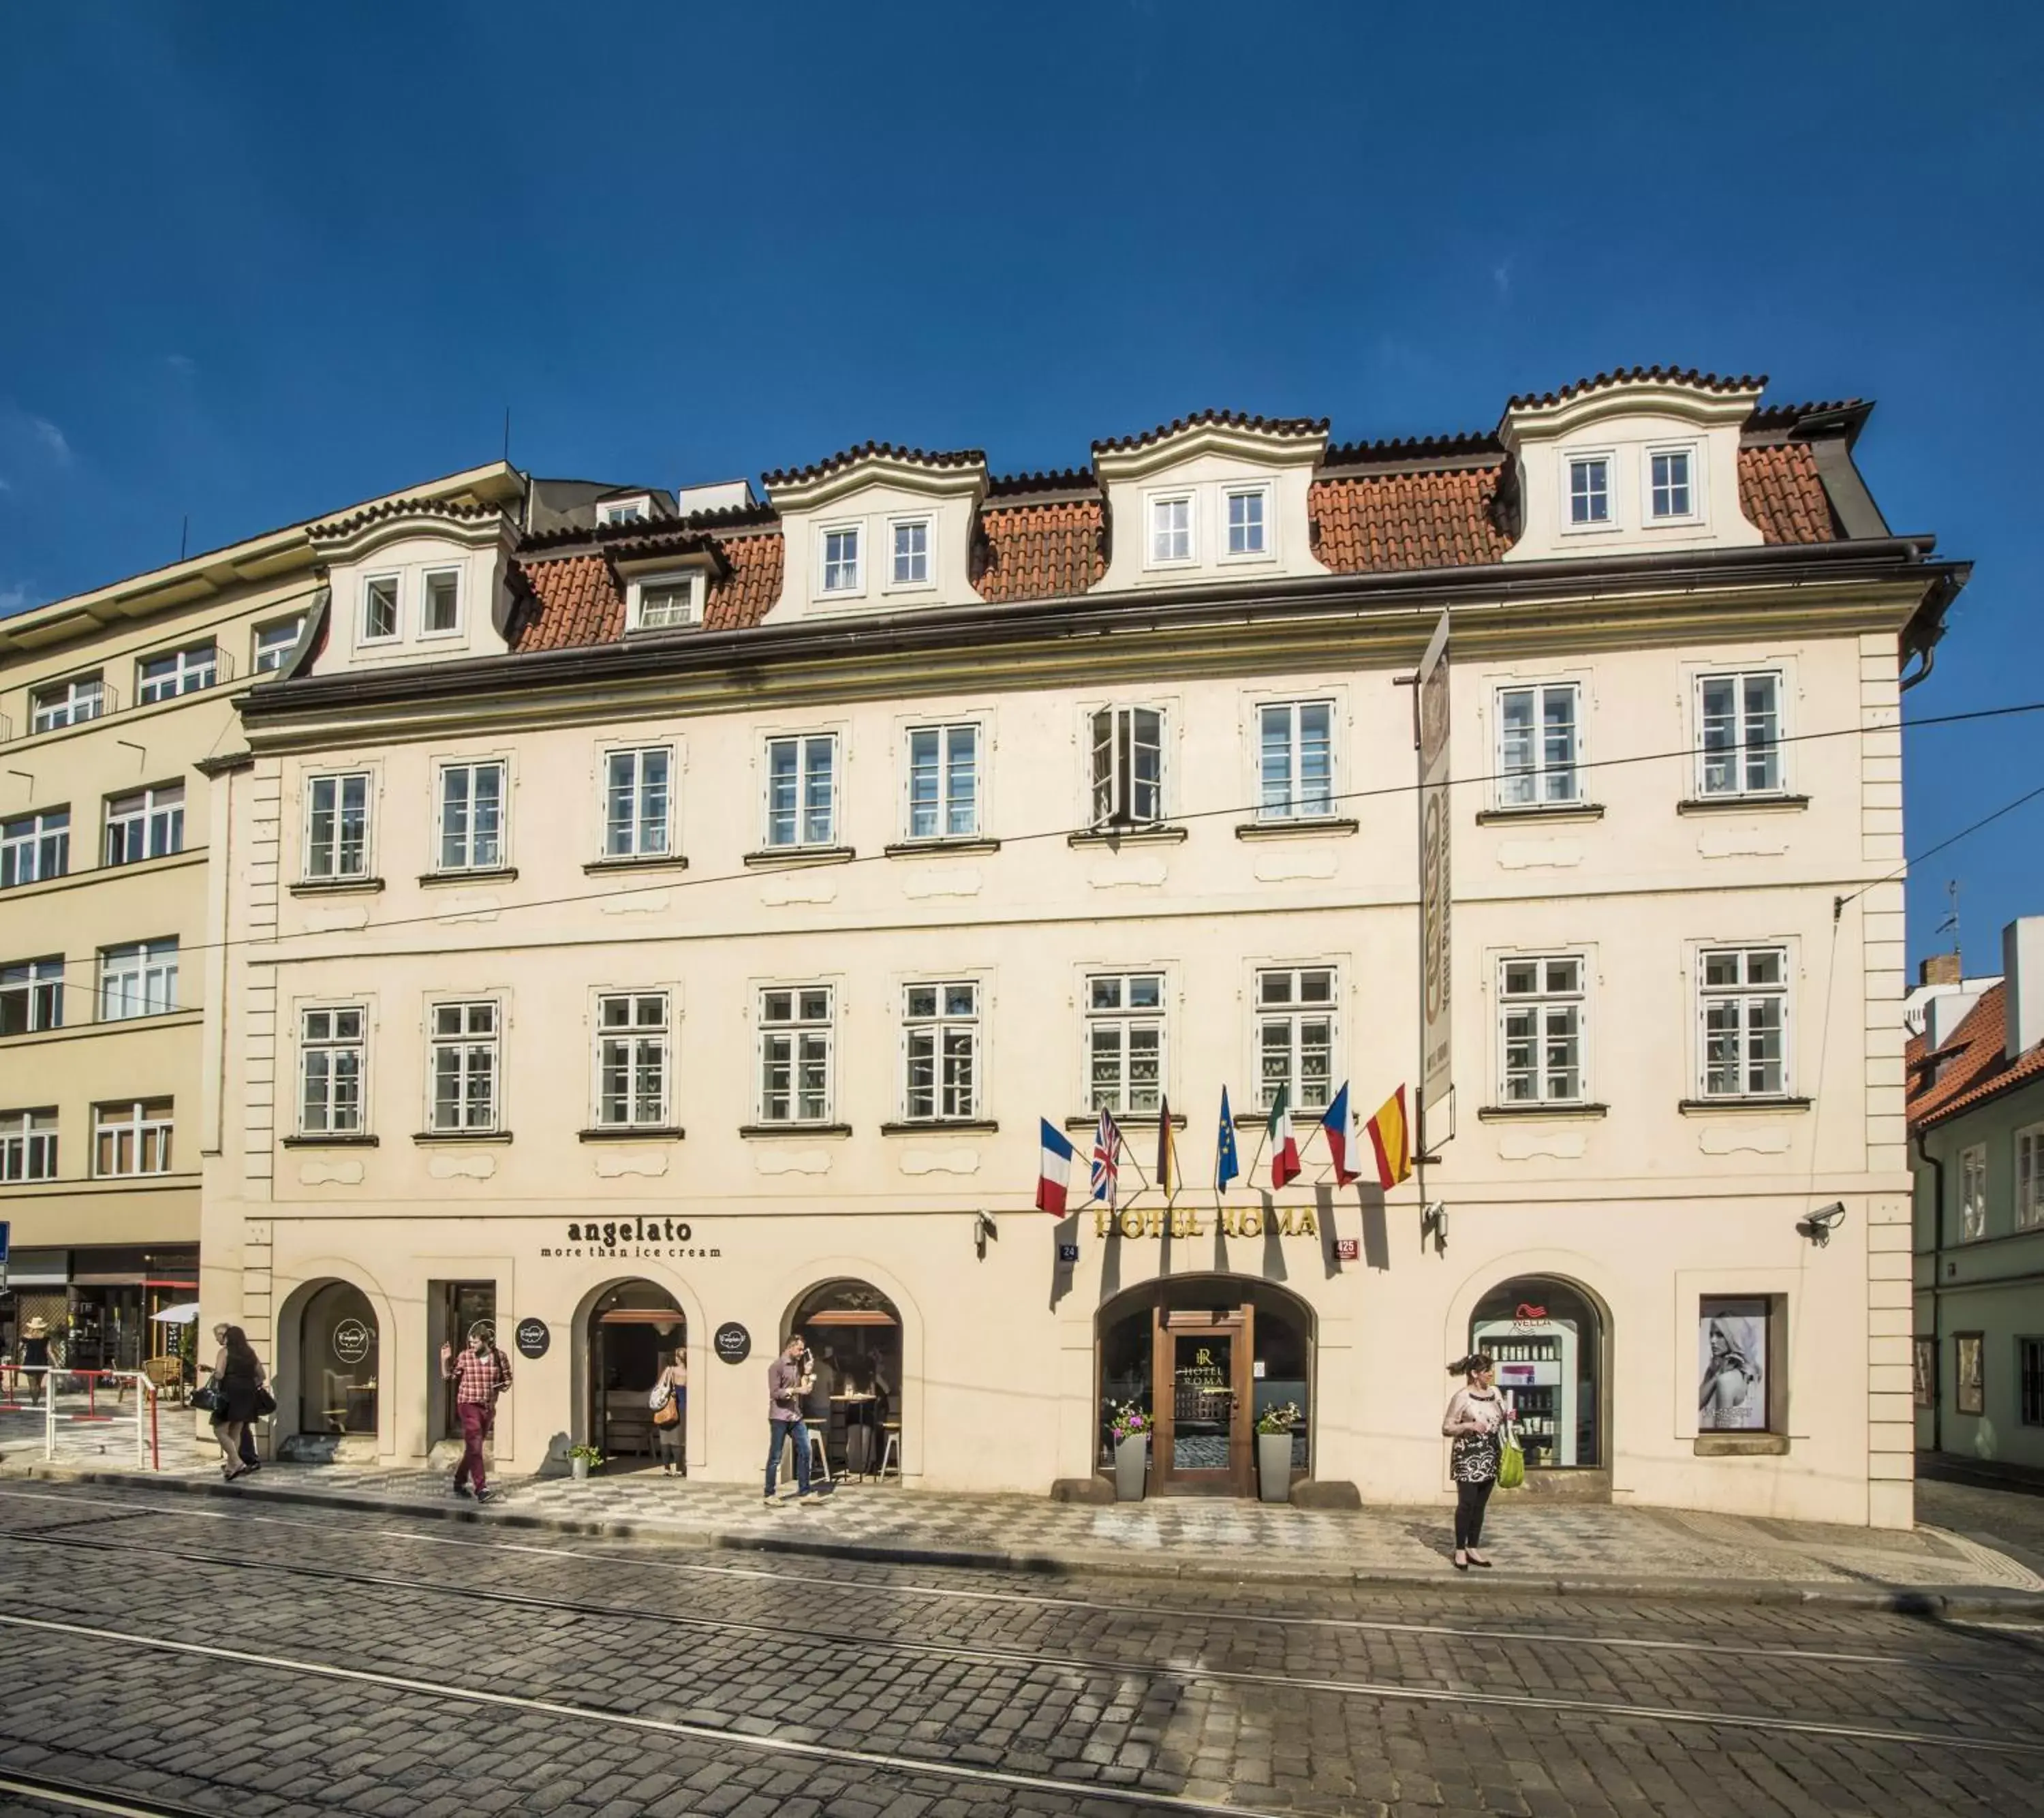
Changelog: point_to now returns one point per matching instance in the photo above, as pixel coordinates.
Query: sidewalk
(1556, 1549)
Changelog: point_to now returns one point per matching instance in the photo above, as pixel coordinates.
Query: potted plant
(583, 1460)
(1273, 1450)
(1130, 1427)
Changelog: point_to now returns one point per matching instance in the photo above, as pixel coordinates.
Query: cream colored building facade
(671, 926)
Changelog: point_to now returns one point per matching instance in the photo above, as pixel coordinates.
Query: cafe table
(858, 1457)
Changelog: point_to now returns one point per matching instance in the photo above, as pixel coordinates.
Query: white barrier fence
(75, 1411)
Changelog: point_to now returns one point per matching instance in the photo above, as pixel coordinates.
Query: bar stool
(818, 1456)
(892, 1450)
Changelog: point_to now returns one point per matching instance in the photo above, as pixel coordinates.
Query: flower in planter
(1280, 1419)
(1129, 1421)
(588, 1456)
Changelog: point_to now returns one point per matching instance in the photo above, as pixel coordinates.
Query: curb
(1918, 1600)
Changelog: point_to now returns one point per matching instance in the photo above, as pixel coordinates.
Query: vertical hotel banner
(1436, 1001)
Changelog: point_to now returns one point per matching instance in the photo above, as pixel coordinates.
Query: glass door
(1203, 1401)
(464, 1307)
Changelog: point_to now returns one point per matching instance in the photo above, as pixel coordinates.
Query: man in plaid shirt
(479, 1375)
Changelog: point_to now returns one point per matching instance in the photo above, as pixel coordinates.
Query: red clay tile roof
(1972, 1065)
(1066, 479)
(1782, 494)
(1470, 444)
(867, 451)
(577, 599)
(1375, 524)
(1039, 551)
(1635, 374)
(1787, 416)
(1233, 419)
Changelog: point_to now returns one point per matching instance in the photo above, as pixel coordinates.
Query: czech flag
(1335, 1121)
(1053, 1171)
(1284, 1146)
(1391, 1137)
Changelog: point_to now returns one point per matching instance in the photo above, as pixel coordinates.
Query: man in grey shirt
(787, 1384)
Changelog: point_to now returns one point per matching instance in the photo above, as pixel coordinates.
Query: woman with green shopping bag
(1480, 1423)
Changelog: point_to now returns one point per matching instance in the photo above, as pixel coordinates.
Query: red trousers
(476, 1418)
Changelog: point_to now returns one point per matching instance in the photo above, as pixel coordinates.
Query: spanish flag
(1391, 1137)
(1167, 1151)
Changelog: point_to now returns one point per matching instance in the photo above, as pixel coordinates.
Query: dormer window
(1170, 530)
(1589, 490)
(843, 572)
(1671, 486)
(663, 602)
(911, 563)
(443, 615)
(622, 511)
(1248, 521)
(379, 609)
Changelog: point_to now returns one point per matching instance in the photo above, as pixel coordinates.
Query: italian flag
(1284, 1146)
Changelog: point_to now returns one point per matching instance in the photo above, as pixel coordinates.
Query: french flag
(1053, 1171)
(1335, 1121)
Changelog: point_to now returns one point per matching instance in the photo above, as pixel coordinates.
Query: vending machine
(1538, 1365)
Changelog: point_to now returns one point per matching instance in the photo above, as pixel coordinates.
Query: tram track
(136, 1508)
(782, 1632)
(67, 1794)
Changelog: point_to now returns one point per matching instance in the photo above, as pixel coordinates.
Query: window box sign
(1348, 1249)
(1068, 1253)
(733, 1342)
(533, 1338)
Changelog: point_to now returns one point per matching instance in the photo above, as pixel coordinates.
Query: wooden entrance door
(1201, 1387)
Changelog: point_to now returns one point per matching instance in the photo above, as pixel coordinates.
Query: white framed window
(337, 826)
(943, 781)
(471, 816)
(1295, 1015)
(1128, 766)
(1125, 1019)
(32, 996)
(1248, 527)
(908, 555)
(1295, 760)
(801, 790)
(149, 824)
(440, 616)
(177, 672)
(796, 1031)
(624, 511)
(1739, 726)
(1541, 1049)
(379, 609)
(34, 846)
(462, 1064)
(28, 1145)
(274, 642)
(1589, 492)
(333, 1047)
(2030, 1177)
(636, 786)
(1672, 486)
(66, 704)
(1973, 1193)
(1742, 1014)
(138, 979)
(131, 1137)
(843, 571)
(665, 602)
(1540, 744)
(631, 1060)
(940, 1051)
(1170, 530)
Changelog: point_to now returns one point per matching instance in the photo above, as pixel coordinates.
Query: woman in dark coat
(237, 1374)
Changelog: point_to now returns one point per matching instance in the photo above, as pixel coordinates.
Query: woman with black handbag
(237, 1380)
(671, 1411)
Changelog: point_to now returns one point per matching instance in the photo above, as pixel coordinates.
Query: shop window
(1547, 1338)
(635, 1331)
(854, 1333)
(1741, 1364)
(1295, 1035)
(339, 1360)
(1969, 1372)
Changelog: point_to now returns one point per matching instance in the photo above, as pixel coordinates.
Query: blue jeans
(799, 1432)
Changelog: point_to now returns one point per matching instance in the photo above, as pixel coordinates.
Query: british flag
(1106, 1158)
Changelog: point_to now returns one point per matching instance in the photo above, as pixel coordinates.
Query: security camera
(1818, 1226)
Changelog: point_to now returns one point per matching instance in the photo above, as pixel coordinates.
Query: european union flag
(1227, 1165)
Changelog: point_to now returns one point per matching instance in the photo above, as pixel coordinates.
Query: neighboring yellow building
(658, 921)
(111, 705)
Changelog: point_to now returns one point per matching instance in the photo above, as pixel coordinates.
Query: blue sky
(264, 261)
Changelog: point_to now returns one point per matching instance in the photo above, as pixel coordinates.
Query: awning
(182, 1314)
(851, 1316)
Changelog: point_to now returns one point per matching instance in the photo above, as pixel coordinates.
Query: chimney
(1939, 969)
(2022, 984)
(1944, 1013)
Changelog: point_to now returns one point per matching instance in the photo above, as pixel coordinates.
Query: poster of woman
(1732, 1347)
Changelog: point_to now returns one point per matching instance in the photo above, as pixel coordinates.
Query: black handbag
(205, 1397)
(266, 1403)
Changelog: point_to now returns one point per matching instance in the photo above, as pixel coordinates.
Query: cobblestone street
(263, 1658)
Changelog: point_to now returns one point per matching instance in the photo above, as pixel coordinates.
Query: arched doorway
(1548, 1338)
(854, 1333)
(633, 1329)
(1205, 1357)
(339, 1349)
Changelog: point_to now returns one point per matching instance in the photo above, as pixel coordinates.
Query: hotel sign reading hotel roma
(1436, 1010)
